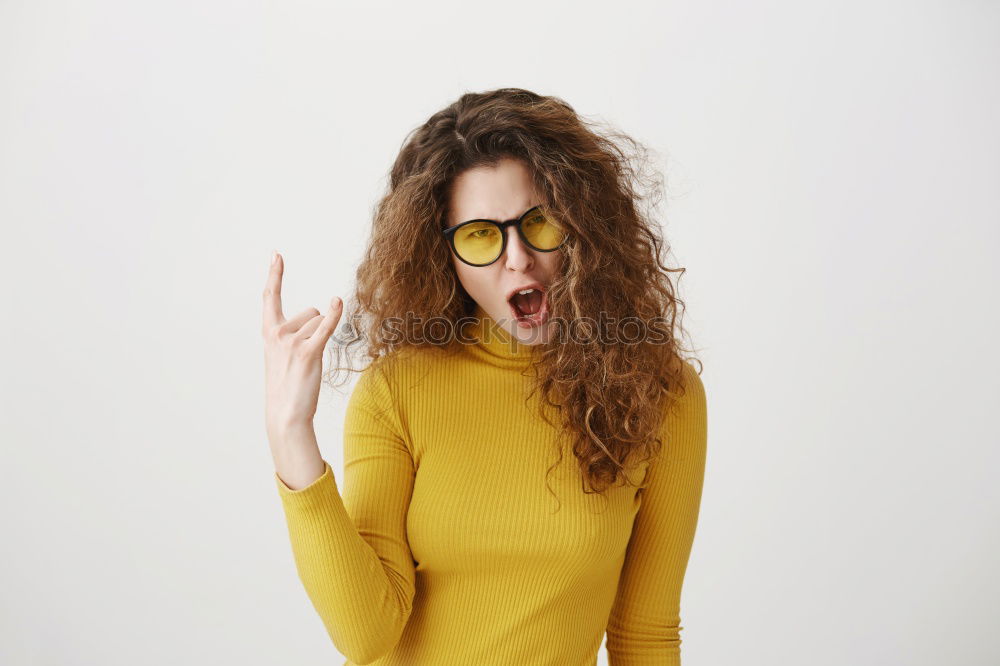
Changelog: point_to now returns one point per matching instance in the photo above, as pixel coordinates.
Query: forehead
(501, 192)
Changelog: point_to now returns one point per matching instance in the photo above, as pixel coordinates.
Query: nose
(519, 256)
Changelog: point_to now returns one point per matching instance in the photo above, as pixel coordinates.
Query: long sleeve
(352, 553)
(644, 625)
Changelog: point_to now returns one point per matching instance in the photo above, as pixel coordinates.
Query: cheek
(552, 261)
(479, 282)
(466, 277)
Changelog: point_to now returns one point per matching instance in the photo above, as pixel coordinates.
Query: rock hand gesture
(293, 366)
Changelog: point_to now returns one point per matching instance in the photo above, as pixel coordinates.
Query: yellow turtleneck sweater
(446, 544)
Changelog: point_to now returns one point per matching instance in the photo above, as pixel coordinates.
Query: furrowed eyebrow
(486, 219)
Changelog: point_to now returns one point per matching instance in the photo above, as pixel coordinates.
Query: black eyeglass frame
(449, 233)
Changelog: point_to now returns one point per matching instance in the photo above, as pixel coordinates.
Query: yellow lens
(478, 243)
(542, 231)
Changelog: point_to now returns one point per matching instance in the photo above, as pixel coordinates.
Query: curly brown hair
(613, 398)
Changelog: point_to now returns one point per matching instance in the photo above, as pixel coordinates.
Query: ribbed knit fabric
(448, 545)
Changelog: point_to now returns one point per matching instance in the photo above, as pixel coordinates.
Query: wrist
(279, 430)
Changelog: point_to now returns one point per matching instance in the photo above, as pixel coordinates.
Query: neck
(492, 343)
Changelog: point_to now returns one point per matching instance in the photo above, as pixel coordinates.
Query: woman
(514, 308)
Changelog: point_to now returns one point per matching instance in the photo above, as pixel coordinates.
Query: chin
(529, 334)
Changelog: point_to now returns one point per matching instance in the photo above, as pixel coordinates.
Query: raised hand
(293, 358)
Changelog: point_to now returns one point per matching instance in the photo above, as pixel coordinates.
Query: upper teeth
(525, 291)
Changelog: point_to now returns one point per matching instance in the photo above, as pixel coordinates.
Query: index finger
(272, 293)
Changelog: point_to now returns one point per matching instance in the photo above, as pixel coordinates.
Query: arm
(352, 554)
(644, 626)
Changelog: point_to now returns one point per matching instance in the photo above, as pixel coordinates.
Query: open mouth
(529, 307)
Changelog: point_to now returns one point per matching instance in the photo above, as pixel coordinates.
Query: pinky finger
(325, 328)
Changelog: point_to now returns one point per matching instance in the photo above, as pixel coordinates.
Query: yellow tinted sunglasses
(481, 242)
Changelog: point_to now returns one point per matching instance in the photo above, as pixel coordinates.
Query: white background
(833, 172)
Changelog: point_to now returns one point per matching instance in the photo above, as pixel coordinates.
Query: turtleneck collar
(494, 344)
